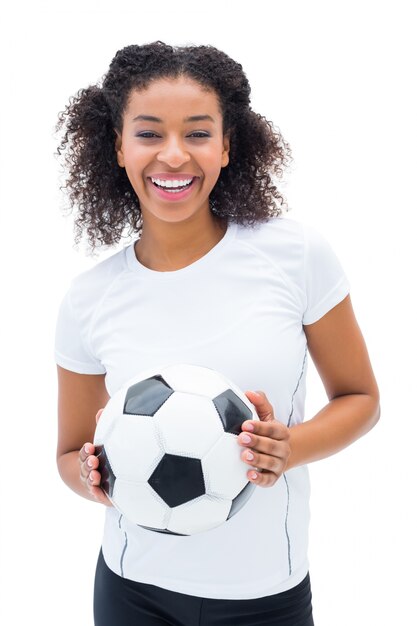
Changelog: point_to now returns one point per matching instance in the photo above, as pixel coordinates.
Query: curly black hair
(100, 189)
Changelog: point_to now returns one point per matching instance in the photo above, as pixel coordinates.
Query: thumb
(262, 405)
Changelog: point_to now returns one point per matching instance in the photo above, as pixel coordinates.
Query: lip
(173, 196)
(163, 176)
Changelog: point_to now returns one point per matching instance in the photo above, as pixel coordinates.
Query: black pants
(122, 602)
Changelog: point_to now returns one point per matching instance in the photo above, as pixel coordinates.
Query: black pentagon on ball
(107, 476)
(178, 479)
(147, 396)
(232, 411)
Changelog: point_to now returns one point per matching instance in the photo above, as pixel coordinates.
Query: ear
(226, 149)
(119, 150)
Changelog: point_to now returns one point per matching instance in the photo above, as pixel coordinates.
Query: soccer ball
(167, 449)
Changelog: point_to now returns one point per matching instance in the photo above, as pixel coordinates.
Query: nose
(173, 153)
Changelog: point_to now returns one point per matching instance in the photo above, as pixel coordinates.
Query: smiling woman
(137, 107)
(217, 277)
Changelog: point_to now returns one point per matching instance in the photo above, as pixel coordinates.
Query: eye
(198, 135)
(147, 135)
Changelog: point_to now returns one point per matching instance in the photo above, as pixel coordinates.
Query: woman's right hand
(90, 476)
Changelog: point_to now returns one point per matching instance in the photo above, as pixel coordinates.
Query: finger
(262, 479)
(94, 478)
(91, 463)
(263, 407)
(265, 462)
(93, 481)
(86, 450)
(273, 429)
(266, 445)
(262, 444)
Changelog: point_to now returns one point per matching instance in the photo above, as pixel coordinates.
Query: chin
(174, 215)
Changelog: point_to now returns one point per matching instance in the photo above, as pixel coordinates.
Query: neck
(166, 246)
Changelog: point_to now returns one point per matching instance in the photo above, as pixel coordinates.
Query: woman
(169, 146)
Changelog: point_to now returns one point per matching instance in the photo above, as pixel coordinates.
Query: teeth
(171, 183)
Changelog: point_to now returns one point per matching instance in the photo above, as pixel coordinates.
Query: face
(172, 147)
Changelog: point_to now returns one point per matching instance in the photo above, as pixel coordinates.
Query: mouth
(172, 190)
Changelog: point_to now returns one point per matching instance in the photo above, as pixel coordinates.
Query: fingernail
(249, 426)
(246, 439)
(86, 448)
(90, 463)
(253, 475)
(249, 456)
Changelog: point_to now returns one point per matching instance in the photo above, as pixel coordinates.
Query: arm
(339, 353)
(80, 396)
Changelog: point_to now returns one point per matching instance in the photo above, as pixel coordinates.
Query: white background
(338, 80)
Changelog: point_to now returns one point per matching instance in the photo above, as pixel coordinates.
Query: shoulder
(280, 239)
(87, 288)
(295, 249)
(281, 233)
(283, 237)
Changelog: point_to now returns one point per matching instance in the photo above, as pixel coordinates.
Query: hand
(88, 471)
(268, 448)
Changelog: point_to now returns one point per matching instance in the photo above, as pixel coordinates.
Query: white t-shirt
(239, 309)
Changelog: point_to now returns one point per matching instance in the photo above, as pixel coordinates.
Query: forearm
(343, 420)
(69, 470)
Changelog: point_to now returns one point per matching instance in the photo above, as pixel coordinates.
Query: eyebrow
(193, 118)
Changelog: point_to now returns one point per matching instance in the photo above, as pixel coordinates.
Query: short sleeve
(72, 351)
(326, 283)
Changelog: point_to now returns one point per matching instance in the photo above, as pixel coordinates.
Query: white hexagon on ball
(130, 499)
(133, 437)
(183, 435)
(188, 378)
(223, 469)
(199, 515)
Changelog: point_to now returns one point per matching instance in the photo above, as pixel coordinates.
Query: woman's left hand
(266, 443)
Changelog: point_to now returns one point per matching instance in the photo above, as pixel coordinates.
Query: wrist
(341, 422)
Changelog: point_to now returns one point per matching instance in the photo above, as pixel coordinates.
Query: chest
(246, 324)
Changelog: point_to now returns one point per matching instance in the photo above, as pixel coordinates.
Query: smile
(172, 189)
(171, 184)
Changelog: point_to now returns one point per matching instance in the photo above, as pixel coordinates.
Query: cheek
(213, 161)
(136, 159)
(134, 153)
